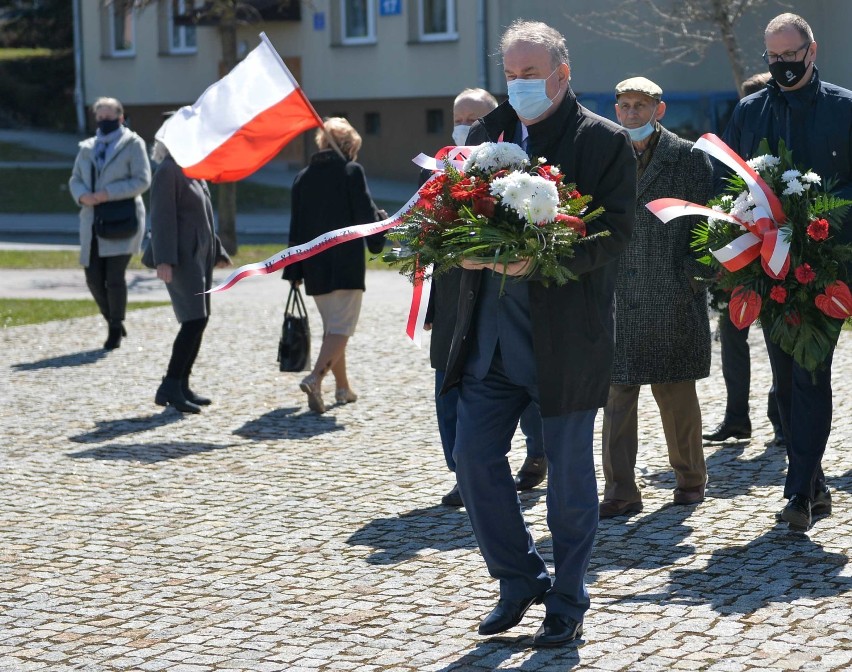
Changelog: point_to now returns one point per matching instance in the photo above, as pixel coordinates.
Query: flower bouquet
(498, 208)
(787, 269)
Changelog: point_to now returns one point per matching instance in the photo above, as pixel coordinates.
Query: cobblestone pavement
(259, 536)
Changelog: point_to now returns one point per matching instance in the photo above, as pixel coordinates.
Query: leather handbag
(294, 348)
(115, 220)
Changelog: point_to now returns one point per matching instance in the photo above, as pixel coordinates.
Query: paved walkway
(259, 536)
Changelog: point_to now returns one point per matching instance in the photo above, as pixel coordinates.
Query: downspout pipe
(79, 98)
(482, 43)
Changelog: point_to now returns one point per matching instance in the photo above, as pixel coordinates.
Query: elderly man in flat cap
(662, 329)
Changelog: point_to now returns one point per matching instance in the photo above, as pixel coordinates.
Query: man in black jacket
(549, 344)
(814, 118)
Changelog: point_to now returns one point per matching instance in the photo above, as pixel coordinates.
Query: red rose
(744, 307)
(804, 274)
(573, 222)
(818, 229)
(778, 294)
(484, 206)
(837, 300)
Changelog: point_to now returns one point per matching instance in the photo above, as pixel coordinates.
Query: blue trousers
(488, 413)
(804, 402)
(447, 414)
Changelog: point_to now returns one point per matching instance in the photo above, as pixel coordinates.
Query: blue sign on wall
(319, 20)
(390, 7)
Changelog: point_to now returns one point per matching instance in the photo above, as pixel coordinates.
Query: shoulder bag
(115, 220)
(294, 348)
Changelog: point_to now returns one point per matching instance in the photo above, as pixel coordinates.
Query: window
(372, 123)
(435, 122)
(358, 21)
(436, 20)
(182, 38)
(122, 28)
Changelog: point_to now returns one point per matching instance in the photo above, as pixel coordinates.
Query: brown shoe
(693, 495)
(610, 508)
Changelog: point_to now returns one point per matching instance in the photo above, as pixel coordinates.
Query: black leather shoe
(190, 396)
(776, 442)
(113, 340)
(797, 513)
(170, 394)
(727, 431)
(821, 504)
(453, 497)
(532, 472)
(507, 614)
(557, 630)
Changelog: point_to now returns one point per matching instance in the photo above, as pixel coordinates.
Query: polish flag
(240, 122)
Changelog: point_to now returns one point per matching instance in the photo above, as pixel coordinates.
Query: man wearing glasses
(814, 118)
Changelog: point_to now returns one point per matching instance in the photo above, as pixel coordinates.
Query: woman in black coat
(184, 249)
(331, 193)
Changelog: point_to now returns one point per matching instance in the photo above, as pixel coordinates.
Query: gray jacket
(126, 174)
(662, 332)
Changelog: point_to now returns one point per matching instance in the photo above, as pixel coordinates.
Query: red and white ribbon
(761, 237)
(419, 304)
(455, 154)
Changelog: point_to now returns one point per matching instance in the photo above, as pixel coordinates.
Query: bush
(38, 91)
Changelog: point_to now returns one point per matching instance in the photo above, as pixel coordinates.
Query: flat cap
(639, 85)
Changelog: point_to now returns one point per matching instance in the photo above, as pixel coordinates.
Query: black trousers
(106, 281)
(185, 348)
(736, 370)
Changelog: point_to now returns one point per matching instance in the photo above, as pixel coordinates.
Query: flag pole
(304, 97)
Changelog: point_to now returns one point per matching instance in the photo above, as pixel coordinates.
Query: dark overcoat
(662, 332)
(182, 235)
(331, 194)
(572, 325)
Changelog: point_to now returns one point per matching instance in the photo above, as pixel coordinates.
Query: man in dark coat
(662, 332)
(814, 118)
(549, 344)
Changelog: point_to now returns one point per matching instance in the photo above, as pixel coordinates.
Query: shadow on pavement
(778, 566)
(112, 429)
(285, 424)
(843, 482)
(73, 359)
(489, 654)
(147, 453)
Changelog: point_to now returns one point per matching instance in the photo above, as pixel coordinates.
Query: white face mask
(460, 132)
(528, 97)
(644, 131)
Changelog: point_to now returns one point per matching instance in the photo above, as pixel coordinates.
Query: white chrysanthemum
(811, 178)
(790, 175)
(764, 161)
(531, 196)
(726, 198)
(793, 187)
(493, 156)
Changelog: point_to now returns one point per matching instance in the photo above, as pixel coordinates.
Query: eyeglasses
(786, 57)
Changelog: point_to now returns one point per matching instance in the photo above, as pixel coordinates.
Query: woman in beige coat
(111, 166)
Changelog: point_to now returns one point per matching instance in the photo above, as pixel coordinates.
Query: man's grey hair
(785, 21)
(536, 32)
(112, 103)
(477, 96)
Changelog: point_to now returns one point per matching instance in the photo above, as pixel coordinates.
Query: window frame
(370, 38)
(173, 30)
(452, 29)
(111, 36)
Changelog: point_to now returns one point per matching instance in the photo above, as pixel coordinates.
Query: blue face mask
(644, 131)
(528, 97)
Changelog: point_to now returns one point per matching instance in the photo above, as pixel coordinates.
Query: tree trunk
(227, 200)
(729, 39)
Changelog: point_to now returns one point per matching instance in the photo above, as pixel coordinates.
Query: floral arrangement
(802, 298)
(498, 208)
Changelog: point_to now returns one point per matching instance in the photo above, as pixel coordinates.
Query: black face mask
(788, 74)
(106, 126)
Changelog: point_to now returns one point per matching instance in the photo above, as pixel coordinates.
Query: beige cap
(639, 85)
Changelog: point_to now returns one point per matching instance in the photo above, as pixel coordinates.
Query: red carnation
(818, 229)
(778, 294)
(446, 214)
(573, 222)
(804, 274)
(576, 194)
(484, 206)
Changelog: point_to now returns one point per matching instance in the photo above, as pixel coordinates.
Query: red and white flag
(240, 122)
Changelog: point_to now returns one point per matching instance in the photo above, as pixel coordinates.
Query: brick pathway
(258, 536)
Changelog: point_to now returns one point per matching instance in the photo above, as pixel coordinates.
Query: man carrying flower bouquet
(662, 328)
(523, 338)
(812, 118)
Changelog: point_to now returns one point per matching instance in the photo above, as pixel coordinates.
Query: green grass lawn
(16, 312)
(36, 190)
(11, 151)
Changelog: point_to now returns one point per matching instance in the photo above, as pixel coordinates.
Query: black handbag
(294, 348)
(115, 220)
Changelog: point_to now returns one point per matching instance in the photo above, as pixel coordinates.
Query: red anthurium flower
(818, 229)
(804, 274)
(484, 206)
(744, 307)
(778, 294)
(837, 300)
(784, 269)
(573, 222)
